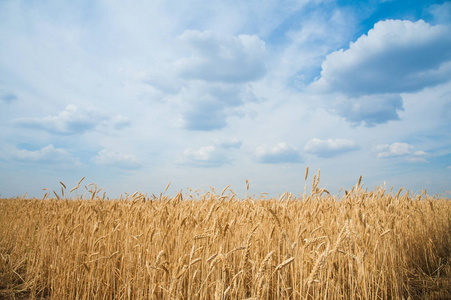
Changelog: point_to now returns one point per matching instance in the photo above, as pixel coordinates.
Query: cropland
(363, 244)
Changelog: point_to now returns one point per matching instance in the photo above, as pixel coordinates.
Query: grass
(363, 245)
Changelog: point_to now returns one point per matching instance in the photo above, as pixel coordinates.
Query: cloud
(119, 160)
(48, 154)
(395, 149)
(441, 12)
(161, 82)
(213, 76)
(205, 107)
(222, 58)
(7, 97)
(213, 155)
(207, 156)
(73, 120)
(205, 115)
(281, 153)
(395, 57)
(369, 110)
(415, 159)
(330, 147)
(117, 122)
(401, 150)
(230, 144)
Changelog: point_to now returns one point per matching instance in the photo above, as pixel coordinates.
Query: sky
(203, 94)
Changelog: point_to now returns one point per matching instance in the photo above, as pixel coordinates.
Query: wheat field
(365, 244)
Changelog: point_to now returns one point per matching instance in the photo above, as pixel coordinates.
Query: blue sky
(137, 94)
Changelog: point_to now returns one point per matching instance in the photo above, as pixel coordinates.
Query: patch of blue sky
(278, 36)
(370, 12)
(302, 78)
(411, 10)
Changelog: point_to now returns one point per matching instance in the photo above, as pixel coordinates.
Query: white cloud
(230, 144)
(369, 110)
(213, 155)
(196, 74)
(419, 153)
(204, 117)
(330, 147)
(281, 153)
(312, 36)
(207, 156)
(416, 159)
(47, 154)
(165, 83)
(441, 12)
(213, 76)
(73, 120)
(401, 150)
(117, 122)
(395, 149)
(206, 107)
(119, 160)
(395, 57)
(209, 78)
(222, 58)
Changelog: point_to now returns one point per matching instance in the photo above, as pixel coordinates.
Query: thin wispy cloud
(404, 150)
(330, 147)
(278, 154)
(204, 157)
(233, 143)
(73, 120)
(46, 155)
(118, 160)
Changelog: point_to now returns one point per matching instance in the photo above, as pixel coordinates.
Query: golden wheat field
(365, 244)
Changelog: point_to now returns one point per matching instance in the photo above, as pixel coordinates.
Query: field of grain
(365, 244)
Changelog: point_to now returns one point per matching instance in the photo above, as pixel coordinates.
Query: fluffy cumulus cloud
(207, 156)
(369, 110)
(395, 57)
(222, 58)
(213, 155)
(207, 107)
(401, 150)
(280, 153)
(213, 76)
(47, 154)
(74, 120)
(118, 160)
(330, 147)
